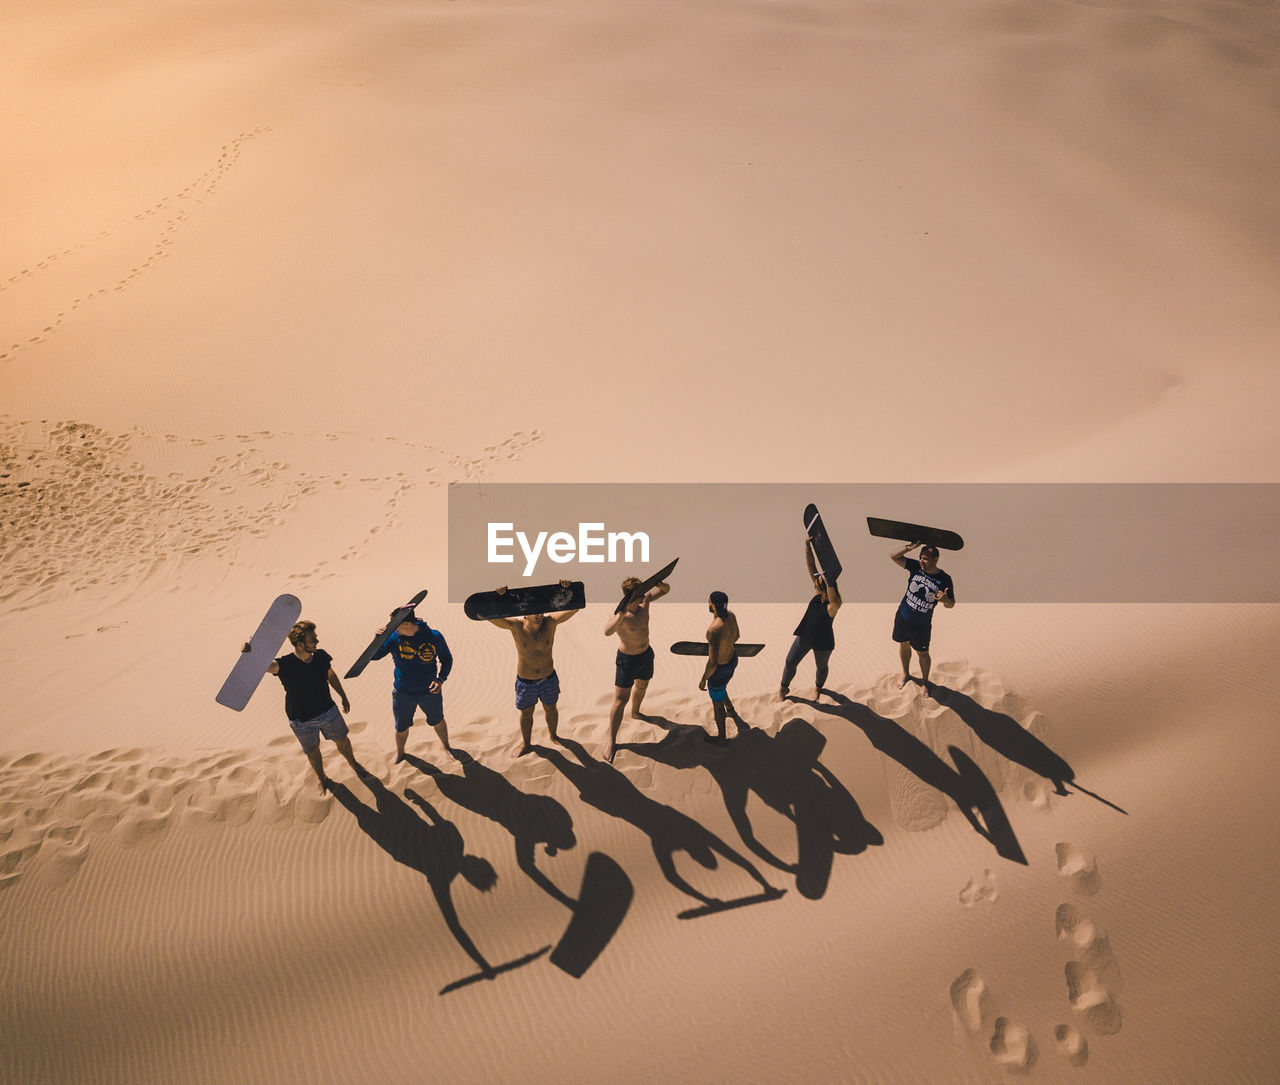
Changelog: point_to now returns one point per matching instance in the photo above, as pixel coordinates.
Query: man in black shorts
(815, 633)
(634, 663)
(913, 624)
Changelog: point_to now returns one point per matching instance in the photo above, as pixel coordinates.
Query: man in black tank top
(815, 633)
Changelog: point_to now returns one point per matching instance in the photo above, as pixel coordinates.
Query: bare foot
(323, 784)
(904, 680)
(524, 750)
(784, 692)
(609, 751)
(449, 750)
(399, 758)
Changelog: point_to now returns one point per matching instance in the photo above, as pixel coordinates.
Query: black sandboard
(918, 533)
(699, 648)
(828, 564)
(264, 644)
(517, 602)
(643, 587)
(602, 904)
(397, 616)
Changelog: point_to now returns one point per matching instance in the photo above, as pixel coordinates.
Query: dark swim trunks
(720, 679)
(530, 692)
(913, 630)
(631, 669)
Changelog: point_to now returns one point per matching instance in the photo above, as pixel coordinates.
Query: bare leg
(553, 719)
(526, 729)
(401, 738)
(442, 730)
(904, 653)
(924, 669)
(317, 765)
(718, 708)
(344, 748)
(637, 697)
(615, 719)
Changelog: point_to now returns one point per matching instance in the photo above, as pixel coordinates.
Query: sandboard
(825, 554)
(699, 648)
(643, 587)
(263, 646)
(918, 533)
(602, 904)
(397, 616)
(518, 602)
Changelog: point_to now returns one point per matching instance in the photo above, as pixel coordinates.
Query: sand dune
(273, 277)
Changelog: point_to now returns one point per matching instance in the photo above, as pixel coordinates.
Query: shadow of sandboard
(728, 905)
(496, 970)
(602, 903)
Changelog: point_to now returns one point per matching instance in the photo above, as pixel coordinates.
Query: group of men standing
(423, 661)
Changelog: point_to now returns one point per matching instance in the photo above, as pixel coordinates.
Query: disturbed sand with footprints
(272, 278)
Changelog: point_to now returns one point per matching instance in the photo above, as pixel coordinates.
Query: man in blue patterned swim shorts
(536, 678)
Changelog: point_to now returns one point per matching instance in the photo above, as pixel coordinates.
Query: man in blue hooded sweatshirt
(423, 662)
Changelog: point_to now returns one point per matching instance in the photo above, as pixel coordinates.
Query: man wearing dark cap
(422, 662)
(722, 661)
(913, 624)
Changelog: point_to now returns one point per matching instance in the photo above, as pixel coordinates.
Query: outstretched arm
(337, 686)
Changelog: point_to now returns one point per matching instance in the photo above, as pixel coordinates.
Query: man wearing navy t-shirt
(423, 662)
(913, 624)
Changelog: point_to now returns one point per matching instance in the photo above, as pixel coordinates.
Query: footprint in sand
(1080, 868)
(1093, 976)
(1072, 1045)
(969, 1000)
(1013, 1047)
(975, 891)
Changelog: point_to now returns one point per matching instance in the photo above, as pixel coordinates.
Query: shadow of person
(433, 847)
(530, 819)
(669, 831)
(1007, 737)
(965, 785)
(785, 772)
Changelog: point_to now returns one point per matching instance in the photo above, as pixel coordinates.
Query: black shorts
(631, 668)
(913, 630)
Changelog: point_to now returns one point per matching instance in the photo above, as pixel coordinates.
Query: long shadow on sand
(433, 847)
(531, 820)
(1010, 739)
(785, 773)
(669, 831)
(965, 784)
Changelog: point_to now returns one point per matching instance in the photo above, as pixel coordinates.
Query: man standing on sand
(722, 661)
(536, 678)
(815, 633)
(306, 674)
(634, 665)
(913, 624)
(417, 651)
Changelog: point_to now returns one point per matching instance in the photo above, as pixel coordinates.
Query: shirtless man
(634, 665)
(722, 660)
(536, 678)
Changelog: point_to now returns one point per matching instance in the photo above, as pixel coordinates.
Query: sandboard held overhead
(699, 648)
(519, 602)
(917, 533)
(397, 616)
(820, 543)
(252, 665)
(643, 587)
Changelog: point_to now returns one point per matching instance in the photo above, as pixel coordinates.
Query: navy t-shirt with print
(416, 659)
(922, 592)
(306, 685)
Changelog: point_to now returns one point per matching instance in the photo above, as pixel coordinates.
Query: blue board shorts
(632, 669)
(329, 723)
(719, 680)
(914, 630)
(404, 704)
(529, 693)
